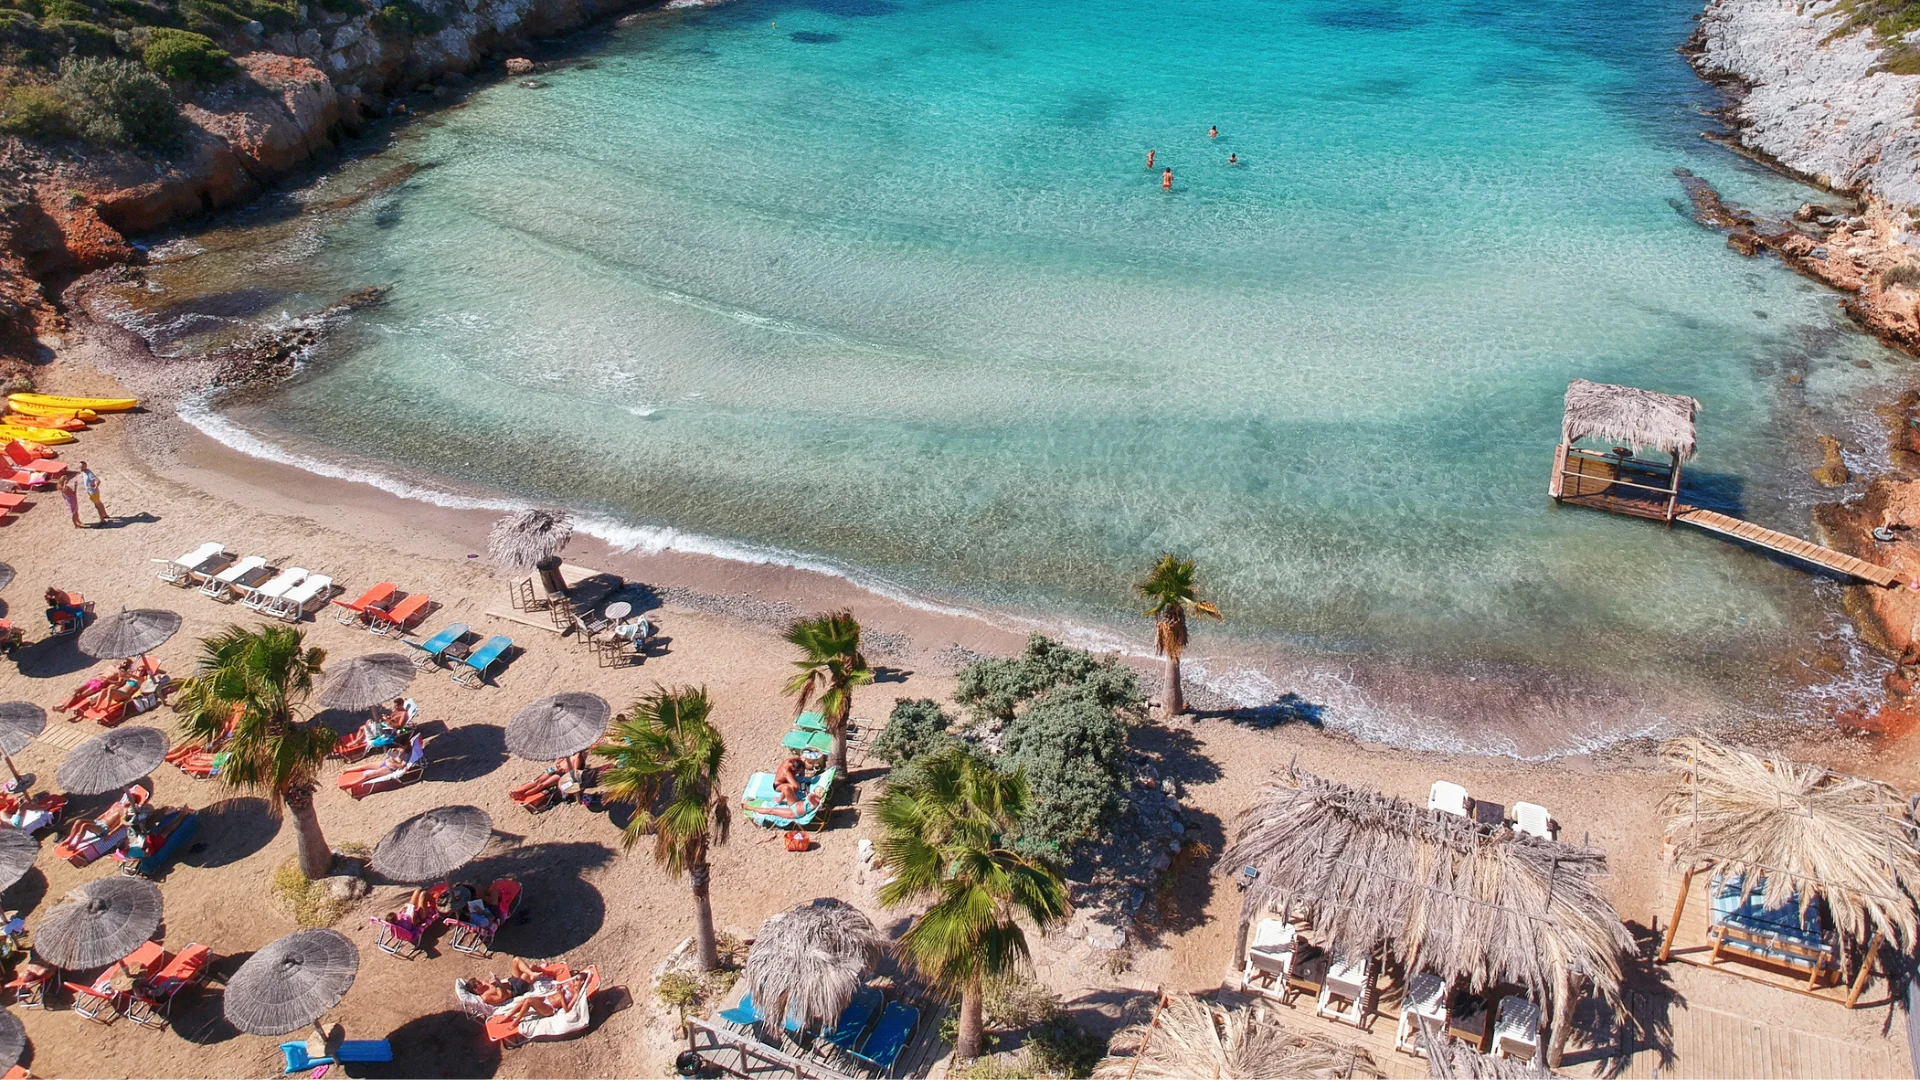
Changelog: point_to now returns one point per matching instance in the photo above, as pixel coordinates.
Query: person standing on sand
(1149, 161)
(1166, 180)
(73, 500)
(90, 483)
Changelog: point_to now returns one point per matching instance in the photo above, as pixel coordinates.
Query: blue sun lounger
(472, 670)
(798, 739)
(854, 1018)
(351, 1052)
(811, 721)
(747, 1015)
(882, 1049)
(434, 649)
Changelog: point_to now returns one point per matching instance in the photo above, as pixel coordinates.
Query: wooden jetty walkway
(1789, 545)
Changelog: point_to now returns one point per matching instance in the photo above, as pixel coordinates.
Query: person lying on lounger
(547, 997)
(94, 687)
(790, 779)
(30, 813)
(390, 767)
(80, 832)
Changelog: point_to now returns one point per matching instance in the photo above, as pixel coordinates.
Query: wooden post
(1673, 926)
(1674, 498)
(1147, 1039)
(1866, 968)
(1557, 485)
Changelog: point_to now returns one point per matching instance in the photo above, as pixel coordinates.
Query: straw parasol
(1466, 902)
(100, 922)
(366, 681)
(1801, 829)
(128, 633)
(1189, 1037)
(521, 542)
(433, 844)
(18, 850)
(6, 575)
(556, 726)
(113, 760)
(13, 1038)
(1623, 414)
(292, 982)
(809, 960)
(20, 721)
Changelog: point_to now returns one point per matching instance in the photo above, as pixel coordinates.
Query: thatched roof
(1799, 828)
(1484, 906)
(1641, 419)
(809, 960)
(520, 542)
(1230, 1040)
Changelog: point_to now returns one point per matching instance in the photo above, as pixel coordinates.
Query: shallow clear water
(886, 281)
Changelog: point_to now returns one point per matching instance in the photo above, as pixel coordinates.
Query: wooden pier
(1823, 557)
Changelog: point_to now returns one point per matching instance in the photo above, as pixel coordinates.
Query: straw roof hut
(808, 961)
(1484, 906)
(1639, 418)
(1231, 1040)
(1801, 829)
(520, 542)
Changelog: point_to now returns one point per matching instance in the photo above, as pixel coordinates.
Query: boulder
(519, 65)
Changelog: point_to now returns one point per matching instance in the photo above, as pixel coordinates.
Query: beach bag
(797, 841)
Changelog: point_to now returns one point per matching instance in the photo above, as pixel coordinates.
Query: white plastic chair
(1533, 819)
(1270, 953)
(257, 597)
(218, 584)
(1516, 1029)
(1450, 797)
(1351, 981)
(1426, 1000)
(178, 571)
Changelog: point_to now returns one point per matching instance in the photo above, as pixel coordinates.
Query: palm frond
(664, 759)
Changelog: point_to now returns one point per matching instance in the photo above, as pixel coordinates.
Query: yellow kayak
(48, 411)
(49, 436)
(51, 401)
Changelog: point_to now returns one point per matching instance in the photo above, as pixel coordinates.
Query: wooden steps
(1791, 545)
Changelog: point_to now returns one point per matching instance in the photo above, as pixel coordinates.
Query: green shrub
(34, 111)
(1017, 1002)
(405, 16)
(995, 688)
(1061, 1047)
(67, 9)
(680, 990)
(85, 38)
(275, 15)
(185, 56)
(1902, 274)
(914, 729)
(1074, 754)
(119, 103)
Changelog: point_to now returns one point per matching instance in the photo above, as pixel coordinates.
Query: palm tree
(258, 681)
(945, 831)
(1170, 587)
(665, 760)
(830, 667)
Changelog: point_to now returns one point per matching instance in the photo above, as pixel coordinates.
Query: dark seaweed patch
(813, 37)
(1367, 18)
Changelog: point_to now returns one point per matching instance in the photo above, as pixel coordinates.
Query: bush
(343, 7)
(995, 689)
(1061, 1047)
(119, 103)
(185, 56)
(405, 16)
(1074, 754)
(1903, 274)
(66, 9)
(34, 111)
(84, 38)
(680, 990)
(914, 729)
(1017, 1002)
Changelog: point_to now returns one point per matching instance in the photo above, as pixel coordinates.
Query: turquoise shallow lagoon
(885, 283)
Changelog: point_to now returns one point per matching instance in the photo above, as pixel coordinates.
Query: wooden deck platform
(1760, 536)
(1691, 946)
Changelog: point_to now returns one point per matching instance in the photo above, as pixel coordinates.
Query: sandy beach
(591, 903)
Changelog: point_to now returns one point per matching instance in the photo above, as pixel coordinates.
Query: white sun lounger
(1270, 954)
(1426, 1000)
(258, 597)
(180, 571)
(218, 584)
(1516, 1029)
(1450, 798)
(294, 603)
(1350, 981)
(1533, 819)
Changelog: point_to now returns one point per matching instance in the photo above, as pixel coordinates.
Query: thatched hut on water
(1632, 422)
(1481, 907)
(1805, 866)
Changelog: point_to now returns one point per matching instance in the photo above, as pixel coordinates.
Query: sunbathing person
(790, 779)
(101, 827)
(360, 779)
(30, 813)
(548, 997)
(96, 686)
(491, 991)
(62, 613)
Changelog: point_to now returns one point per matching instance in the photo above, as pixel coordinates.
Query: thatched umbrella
(1479, 905)
(1801, 830)
(1642, 419)
(13, 1038)
(18, 850)
(20, 722)
(100, 922)
(291, 982)
(1189, 1037)
(366, 681)
(6, 575)
(128, 633)
(532, 540)
(556, 726)
(113, 760)
(809, 960)
(433, 844)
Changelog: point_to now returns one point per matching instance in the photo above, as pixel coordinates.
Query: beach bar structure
(1795, 873)
(1471, 913)
(1649, 436)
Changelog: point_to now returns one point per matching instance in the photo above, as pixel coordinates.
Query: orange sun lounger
(352, 611)
(387, 620)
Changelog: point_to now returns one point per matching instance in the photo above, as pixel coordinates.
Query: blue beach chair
(743, 1015)
(353, 1051)
(472, 670)
(811, 721)
(808, 740)
(854, 1018)
(433, 650)
(882, 1049)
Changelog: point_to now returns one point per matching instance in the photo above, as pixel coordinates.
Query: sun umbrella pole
(552, 582)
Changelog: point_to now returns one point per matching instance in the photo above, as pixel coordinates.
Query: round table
(619, 610)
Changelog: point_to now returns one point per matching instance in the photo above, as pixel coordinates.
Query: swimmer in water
(1149, 159)
(1213, 132)
(1233, 159)
(1166, 180)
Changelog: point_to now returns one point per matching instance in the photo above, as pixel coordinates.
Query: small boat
(57, 423)
(45, 436)
(53, 401)
(26, 408)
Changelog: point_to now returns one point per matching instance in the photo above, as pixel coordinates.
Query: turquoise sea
(885, 285)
